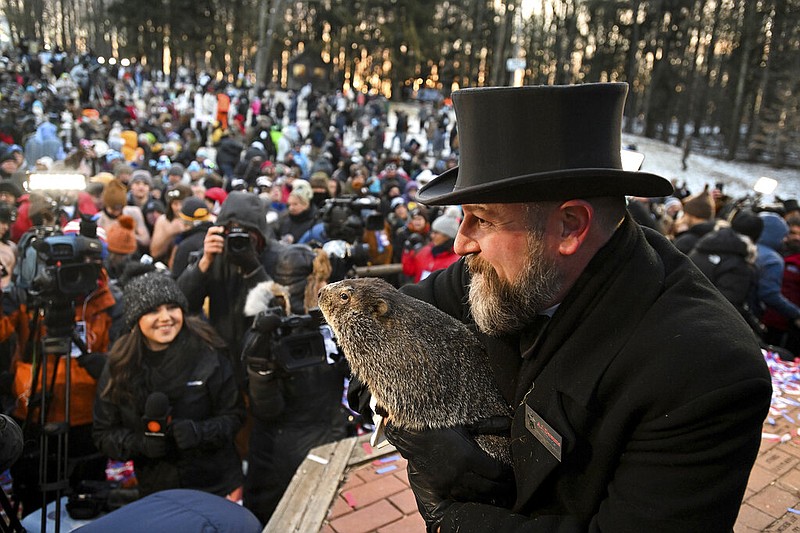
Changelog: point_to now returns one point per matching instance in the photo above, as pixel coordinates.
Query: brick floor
(375, 498)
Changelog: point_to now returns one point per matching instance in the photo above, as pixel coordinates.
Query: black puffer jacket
(728, 261)
(200, 385)
(687, 240)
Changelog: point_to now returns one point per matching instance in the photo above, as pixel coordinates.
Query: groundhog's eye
(344, 296)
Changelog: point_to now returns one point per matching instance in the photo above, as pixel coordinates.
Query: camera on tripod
(71, 265)
(292, 342)
(345, 219)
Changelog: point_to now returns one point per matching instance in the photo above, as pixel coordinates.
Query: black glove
(154, 447)
(447, 465)
(185, 434)
(358, 397)
(93, 363)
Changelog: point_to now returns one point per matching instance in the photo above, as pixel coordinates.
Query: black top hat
(540, 143)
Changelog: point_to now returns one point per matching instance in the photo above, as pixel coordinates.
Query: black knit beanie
(146, 292)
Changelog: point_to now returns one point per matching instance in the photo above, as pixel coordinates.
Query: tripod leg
(13, 525)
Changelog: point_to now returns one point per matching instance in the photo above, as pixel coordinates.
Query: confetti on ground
(785, 381)
(348, 497)
(384, 460)
(386, 469)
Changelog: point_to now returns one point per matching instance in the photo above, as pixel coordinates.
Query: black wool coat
(650, 379)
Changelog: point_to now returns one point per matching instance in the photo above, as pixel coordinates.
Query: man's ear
(575, 217)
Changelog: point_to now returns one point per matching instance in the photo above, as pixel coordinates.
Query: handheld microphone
(156, 415)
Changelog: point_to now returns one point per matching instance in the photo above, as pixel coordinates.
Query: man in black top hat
(636, 391)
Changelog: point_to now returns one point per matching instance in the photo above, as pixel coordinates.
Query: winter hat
(8, 155)
(115, 194)
(302, 189)
(10, 187)
(446, 225)
(148, 291)
(396, 202)
(216, 194)
(791, 205)
(700, 205)
(749, 224)
(671, 201)
(176, 170)
(121, 237)
(143, 176)
(194, 209)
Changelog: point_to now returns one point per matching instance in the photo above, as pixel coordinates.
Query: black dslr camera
(237, 241)
(287, 343)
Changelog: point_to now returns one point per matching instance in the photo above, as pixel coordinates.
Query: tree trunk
(632, 70)
(747, 36)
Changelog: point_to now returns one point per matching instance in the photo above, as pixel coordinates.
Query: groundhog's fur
(424, 367)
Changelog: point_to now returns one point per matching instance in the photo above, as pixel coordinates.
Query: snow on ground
(739, 177)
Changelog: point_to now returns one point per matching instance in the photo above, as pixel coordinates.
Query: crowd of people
(215, 202)
(175, 172)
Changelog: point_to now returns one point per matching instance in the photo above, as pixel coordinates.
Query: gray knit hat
(146, 292)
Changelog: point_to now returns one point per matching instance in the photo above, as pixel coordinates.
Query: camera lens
(237, 242)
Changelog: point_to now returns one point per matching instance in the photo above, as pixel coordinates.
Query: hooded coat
(770, 265)
(223, 284)
(654, 383)
(44, 143)
(728, 261)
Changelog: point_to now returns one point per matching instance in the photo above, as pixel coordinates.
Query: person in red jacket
(437, 254)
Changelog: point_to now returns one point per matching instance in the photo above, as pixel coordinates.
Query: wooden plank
(304, 505)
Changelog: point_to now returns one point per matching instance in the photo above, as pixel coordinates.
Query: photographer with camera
(238, 253)
(167, 398)
(295, 383)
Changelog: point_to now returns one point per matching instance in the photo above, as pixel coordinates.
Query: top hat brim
(545, 186)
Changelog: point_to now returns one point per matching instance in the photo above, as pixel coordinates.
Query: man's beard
(501, 307)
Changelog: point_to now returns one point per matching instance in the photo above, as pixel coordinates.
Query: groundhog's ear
(381, 307)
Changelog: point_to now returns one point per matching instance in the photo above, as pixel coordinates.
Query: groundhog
(424, 368)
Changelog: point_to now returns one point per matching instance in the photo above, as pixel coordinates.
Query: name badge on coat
(544, 433)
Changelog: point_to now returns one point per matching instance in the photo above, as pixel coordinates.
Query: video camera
(291, 342)
(345, 219)
(71, 265)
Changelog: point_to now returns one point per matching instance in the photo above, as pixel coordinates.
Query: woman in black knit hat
(167, 399)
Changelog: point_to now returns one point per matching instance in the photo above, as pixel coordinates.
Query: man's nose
(464, 245)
